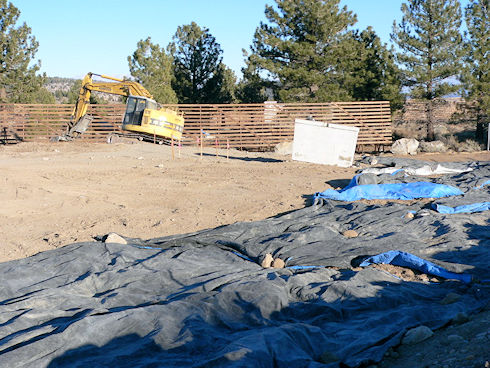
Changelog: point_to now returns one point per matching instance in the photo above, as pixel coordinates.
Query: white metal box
(324, 143)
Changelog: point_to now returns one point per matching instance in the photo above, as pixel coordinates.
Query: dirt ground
(54, 194)
(57, 194)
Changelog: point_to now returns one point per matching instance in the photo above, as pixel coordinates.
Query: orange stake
(201, 144)
(172, 145)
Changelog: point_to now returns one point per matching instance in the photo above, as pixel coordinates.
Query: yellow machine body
(142, 116)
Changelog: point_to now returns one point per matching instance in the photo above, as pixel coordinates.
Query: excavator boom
(120, 87)
(143, 115)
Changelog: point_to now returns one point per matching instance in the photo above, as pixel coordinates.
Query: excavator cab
(135, 108)
(143, 115)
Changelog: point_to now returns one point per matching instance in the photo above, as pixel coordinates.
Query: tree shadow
(129, 350)
(338, 183)
(476, 257)
(247, 159)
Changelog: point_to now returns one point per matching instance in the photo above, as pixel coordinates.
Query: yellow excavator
(143, 116)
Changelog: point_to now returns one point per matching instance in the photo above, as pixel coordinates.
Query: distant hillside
(61, 87)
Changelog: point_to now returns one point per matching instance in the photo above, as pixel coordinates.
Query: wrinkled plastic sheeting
(202, 299)
(395, 182)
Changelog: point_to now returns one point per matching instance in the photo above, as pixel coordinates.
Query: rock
(284, 148)
(455, 339)
(435, 146)
(405, 146)
(409, 216)
(350, 234)
(114, 238)
(328, 357)
(460, 318)
(267, 261)
(450, 298)
(237, 354)
(416, 335)
(482, 335)
(278, 263)
(368, 178)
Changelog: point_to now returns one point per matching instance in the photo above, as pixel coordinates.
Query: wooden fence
(249, 126)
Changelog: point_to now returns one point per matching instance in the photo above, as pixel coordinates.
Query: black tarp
(203, 300)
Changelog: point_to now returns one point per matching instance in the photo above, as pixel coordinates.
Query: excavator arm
(143, 116)
(120, 87)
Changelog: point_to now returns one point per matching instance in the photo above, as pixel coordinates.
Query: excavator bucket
(80, 127)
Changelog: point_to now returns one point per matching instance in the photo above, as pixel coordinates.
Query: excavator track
(116, 137)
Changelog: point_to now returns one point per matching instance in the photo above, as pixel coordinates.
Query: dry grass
(458, 137)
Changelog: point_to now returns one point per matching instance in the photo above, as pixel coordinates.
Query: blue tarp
(403, 259)
(405, 191)
(467, 208)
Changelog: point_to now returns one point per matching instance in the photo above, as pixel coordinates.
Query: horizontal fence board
(240, 125)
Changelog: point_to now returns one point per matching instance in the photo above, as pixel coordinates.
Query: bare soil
(53, 194)
(57, 194)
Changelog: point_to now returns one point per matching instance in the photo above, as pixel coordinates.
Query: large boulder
(405, 146)
(284, 148)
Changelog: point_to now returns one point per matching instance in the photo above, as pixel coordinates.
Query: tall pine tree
(476, 78)
(371, 72)
(252, 87)
(431, 49)
(18, 80)
(200, 75)
(300, 49)
(151, 66)
(306, 53)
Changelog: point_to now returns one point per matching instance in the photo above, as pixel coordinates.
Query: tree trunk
(480, 125)
(430, 121)
(480, 132)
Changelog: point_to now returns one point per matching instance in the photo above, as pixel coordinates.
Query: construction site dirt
(54, 194)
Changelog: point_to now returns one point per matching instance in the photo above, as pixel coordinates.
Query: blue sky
(76, 37)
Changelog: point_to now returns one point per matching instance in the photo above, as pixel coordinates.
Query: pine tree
(227, 81)
(431, 49)
(476, 77)
(372, 74)
(200, 76)
(18, 80)
(74, 92)
(301, 49)
(252, 88)
(42, 96)
(151, 66)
